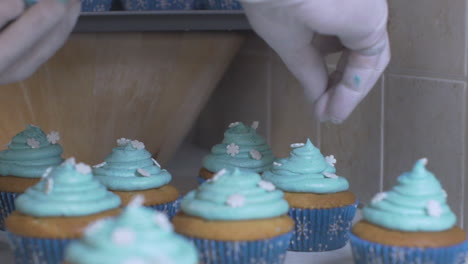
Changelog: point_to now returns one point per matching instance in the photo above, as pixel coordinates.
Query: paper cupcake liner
(170, 209)
(223, 4)
(321, 229)
(96, 5)
(7, 205)
(140, 5)
(28, 250)
(267, 251)
(366, 252)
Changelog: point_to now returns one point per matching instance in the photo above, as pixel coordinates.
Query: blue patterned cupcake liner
(366, 252)
(319, 230)
(267, 251)
(170, 209)
(7, 205)
(96, 5)
(223, 4)
(141, 5)
(27, 250)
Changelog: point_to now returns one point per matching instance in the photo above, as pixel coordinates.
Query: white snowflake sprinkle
(232, 149)
(218, 175)
(434, 208)
(121, 142)
(83, 168)
(234, 124)
(424, 161)
(297, 145)
(138, 145)
(69, 161)
(379, 197)
(143, 172)
(33, 143)
(255, 125)
(95, 226)
(330, 175)
(53, 137)
(123, 236)
(255, 154)
(156, 162)
(277, 164)
(137, 201)
(47, 172)
(235, 200)
(331, 160)
(266, 185)
(100, 165)
(162, 221)
(49, 185)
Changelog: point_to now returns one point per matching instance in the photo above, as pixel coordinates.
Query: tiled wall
(417, 109)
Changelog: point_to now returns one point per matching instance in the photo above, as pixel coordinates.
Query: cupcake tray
(194, 20)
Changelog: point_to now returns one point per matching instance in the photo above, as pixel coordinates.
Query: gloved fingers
(45, 47)
(327, 44)
(360, 74)
(9, 10)
(20, 36)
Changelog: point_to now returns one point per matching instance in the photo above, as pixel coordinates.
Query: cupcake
(55, 211)
(236, 218)
(243, 148)
(22, 164)
(411, 223)
(138, 236)
(321, 205)
(130, 170)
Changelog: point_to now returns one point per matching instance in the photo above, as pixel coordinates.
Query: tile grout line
(382, 132)
(463, 168)
(425, 78)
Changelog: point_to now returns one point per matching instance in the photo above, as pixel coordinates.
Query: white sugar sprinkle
(277, 164)
(234, 124)
(379, 197)
(266, 185)
(330, 175)
(49, 185)
(137, 201)
(236, 200)
(123, 236)
(297, 145)
(255, 125)
(255, 154)
(100, 165)
(83, 168)
(143, 172)
(162, 221)
(156, 162)
(47, 172)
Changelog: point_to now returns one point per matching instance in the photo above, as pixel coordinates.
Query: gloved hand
(33, 35)
(302, 32)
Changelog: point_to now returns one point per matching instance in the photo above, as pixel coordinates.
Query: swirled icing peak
(235, 194)
(30, 153)
(130, 167)
(306, 170)
(242, 147)
(67, 190)
(138, 235)
(417, 203)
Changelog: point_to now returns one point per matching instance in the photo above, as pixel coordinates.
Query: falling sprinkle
(156, 162)
(235, 201)
(49, 185)
(234, 124)
(330, 175)
(232, 149)
(83, 168)
(137, 201)
(218, 175)
(47, 172)
(331, 160)
(138, 145)
(434, 208)
(121, 142)
(162, 221)
(266, 185)
(123, 236)
(379, 197)
(33, 143)
(255, 154)
(255, 125)
(100, 165)
(143, 172)
(53, 137)
(277, 164)
(297, 145)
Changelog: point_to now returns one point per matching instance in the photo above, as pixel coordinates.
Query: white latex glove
(34, 34)
(302, 32)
